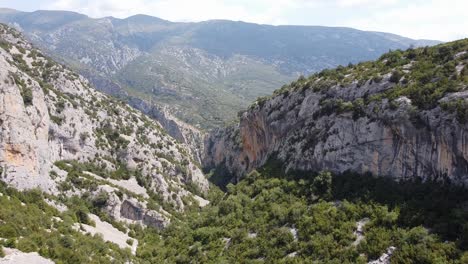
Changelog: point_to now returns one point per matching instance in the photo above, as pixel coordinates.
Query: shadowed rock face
(136, 212)
(130, 211)
(398, 142)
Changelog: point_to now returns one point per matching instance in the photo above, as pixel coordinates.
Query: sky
(419, 19)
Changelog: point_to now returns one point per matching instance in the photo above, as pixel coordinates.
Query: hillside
(61, 136)
(403, 116)
(204, 72)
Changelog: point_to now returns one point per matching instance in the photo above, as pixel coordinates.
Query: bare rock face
(132, 211)
(384, 138)
(14, 256)
(24, 132)
(183, 132)
(50, 114)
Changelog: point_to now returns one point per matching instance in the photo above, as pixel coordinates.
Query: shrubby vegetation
(302, 217)
(424, 75)
(268, 216)
(31, 225)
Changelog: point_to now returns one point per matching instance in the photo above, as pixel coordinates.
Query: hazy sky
(431, 19)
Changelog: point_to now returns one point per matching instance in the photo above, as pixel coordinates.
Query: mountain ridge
(104, 47)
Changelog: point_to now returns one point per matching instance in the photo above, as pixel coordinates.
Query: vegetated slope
(402, 116)
(270, 217)
(60, 135)
(204, 72)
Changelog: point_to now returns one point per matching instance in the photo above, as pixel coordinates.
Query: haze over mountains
(203, 72)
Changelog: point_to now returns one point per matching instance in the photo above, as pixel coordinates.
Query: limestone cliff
(402, 116)
(185, 133)
(50, 114)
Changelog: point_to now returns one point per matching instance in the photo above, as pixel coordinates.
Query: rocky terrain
(62, 136)
(85, 178)
(204, 73)
(402, 116)
(13, 256)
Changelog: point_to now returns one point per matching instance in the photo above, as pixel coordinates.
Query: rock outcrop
(14, 256)
(385, 258)
(49, 114)
(130, 210)
(356, 124)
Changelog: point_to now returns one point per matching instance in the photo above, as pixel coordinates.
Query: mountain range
(202, 73)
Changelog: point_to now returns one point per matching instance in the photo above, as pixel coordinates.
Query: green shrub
(395, 77)
(8, 231)
(27, 95)
(25, 245)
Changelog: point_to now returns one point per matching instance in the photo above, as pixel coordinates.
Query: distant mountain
(203, 72)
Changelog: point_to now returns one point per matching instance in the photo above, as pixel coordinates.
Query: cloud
(431, 19)
(259, 11)
(176, 10)
(367, 3)
(436, 19)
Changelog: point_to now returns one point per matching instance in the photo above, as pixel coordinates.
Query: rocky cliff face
(184, 133)
(399, 117)
(50, 114)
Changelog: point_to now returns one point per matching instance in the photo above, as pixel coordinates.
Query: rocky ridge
(402, 116)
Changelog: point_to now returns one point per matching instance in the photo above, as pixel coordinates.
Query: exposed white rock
(110, 233)
(14, 256)
(252, 235)
(59, 206)
(132, 211)
(359, 232)
(130, 184)
(293, 232)
(201, 202)
(459, 54)
(385, 258)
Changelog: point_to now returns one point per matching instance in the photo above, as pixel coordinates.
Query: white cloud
(360, 3)
(432, 19)
(436, 19)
